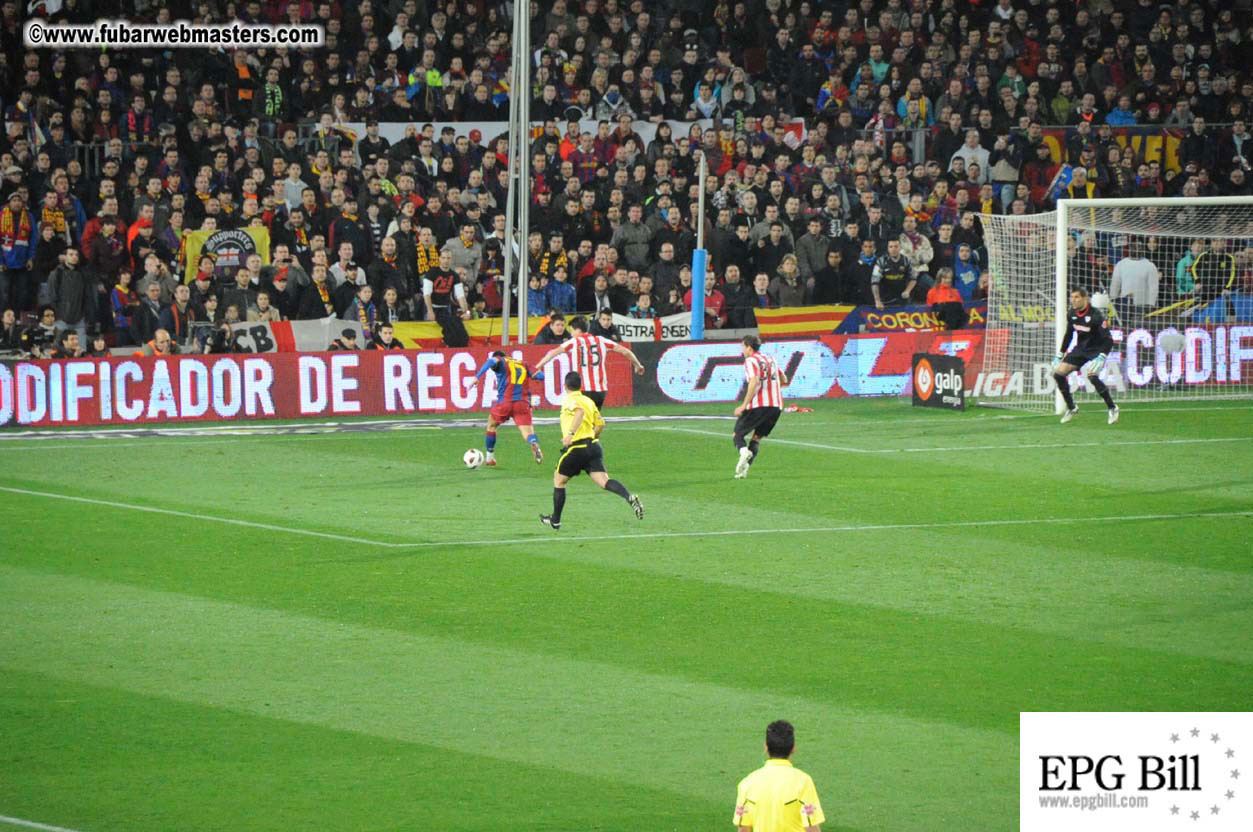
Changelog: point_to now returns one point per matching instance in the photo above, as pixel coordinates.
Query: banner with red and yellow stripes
(800, 320)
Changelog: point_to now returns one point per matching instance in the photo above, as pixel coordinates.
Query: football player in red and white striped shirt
(763, 402)
(588, 356)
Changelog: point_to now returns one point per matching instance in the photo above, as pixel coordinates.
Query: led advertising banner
(190, 388)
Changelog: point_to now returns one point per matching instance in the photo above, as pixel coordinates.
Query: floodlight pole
(522, 53)
(510, 199)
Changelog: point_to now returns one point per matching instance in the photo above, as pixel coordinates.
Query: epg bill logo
(1134, 771)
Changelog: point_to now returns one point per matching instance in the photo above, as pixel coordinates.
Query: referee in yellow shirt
(581, 425)
(778, 797)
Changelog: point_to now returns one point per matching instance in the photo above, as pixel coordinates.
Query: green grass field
(357, 654)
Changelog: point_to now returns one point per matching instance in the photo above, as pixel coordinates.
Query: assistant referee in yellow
(581, 425)
(778, 797)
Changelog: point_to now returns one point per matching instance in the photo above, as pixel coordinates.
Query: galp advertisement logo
(924, 379)
(1145, 772)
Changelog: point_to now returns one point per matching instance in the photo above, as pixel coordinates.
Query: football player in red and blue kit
(513, 401)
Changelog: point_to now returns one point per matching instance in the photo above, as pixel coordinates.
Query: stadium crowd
(917, 116)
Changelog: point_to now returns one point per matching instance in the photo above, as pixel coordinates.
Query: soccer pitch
(351, 631)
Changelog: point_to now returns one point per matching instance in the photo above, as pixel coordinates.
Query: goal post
(1174, 277)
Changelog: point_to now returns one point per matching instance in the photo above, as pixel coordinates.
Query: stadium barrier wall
(202, 388)
(831, 366)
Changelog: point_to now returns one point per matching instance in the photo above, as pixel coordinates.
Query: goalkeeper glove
(1095, 366)
(1057, 359)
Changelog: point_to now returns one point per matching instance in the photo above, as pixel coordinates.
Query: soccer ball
(473, 458)
(1172, 342)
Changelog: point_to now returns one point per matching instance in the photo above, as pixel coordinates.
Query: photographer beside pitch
(1091, 349)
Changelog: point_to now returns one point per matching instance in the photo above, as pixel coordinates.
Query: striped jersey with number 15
(769, 390)
(588, 355)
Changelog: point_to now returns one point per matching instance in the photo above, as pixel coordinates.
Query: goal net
(1173, 276)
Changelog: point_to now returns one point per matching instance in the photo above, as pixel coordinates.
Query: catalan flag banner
(482, 331)
(800, 320)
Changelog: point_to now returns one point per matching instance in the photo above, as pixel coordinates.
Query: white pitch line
(956, 524)
(559, 538)
(30, 824)
(647, 535)
(1019, 446)
(193, 516)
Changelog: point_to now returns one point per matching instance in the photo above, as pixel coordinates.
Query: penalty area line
(30, 824)
(1022, 446)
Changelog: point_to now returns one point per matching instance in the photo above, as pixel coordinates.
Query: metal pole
(1061, 298)
(699, 259)
(523, 49)
(511, 178)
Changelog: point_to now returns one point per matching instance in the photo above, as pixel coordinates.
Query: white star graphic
(1196, 732)
(1213, 738)
(1174, 738)
(1213, 810)
(1230, 794)
(1235, 774)
(1230, 753)
(1174, 810)
(1196, 815)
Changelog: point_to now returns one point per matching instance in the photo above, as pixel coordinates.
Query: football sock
(753, 446)
(1103, 389)
(1064, 386)
(739, 442)
(532, 438)
(559, 502)
(618, 488)
(490, 441)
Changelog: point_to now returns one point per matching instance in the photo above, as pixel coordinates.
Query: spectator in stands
(966, 271)
(241, 293)
(69, 345)
(553, 332)
(946, 302)
(347, 340)
(73, 293)
(787, 287)
(146, 319)
(811, 252)
(830, 283)
(604, 326)
(17, 251)
(363, 311)
(633, 239)
(715, 302)
(11, 332)
(559, 294)
(177, 317)
(1134, 285)
(124, 301)
(160, 344)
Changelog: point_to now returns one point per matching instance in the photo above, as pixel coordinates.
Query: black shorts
(758, 420)
(598, 399)
(584, 455)
(1078, 358)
